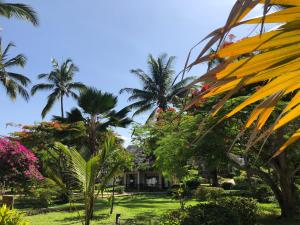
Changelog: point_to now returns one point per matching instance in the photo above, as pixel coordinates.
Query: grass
(143, 208)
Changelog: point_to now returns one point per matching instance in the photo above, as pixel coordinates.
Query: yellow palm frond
(271, 58)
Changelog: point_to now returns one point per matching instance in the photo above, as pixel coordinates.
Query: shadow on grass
(76, 219)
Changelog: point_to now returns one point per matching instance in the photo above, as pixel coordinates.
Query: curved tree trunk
(283, 186)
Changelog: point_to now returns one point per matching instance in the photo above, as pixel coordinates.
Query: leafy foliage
(11, 217)
(228, 211)
(244, 209)
(268, 60)
(96, 168)
(203, 193)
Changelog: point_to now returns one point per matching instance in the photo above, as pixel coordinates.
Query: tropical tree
(88, 172)
(158, 87)
(60, 82)
(101, 110)
(18, 10)
(270, 59)
(13, 83)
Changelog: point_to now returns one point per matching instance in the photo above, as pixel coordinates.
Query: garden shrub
(18, 165)
(46, 194)
(172, 218)
(192, 183)
(241, 183)
(202, 214)
(239, 193)
(227, 185)
(208, 193)
(244, 209)
(11, 217)
(226, 211)
(263, 193)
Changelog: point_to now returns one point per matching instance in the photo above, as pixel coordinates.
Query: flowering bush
(17, 163)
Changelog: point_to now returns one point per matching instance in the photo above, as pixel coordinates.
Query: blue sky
(105, 39)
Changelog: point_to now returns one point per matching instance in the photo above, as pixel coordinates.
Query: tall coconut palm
(60, 82)
(158, 87)
(100, 107)
(20, 11)
(13, 83)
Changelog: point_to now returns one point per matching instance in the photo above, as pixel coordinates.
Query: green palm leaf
(20, 11)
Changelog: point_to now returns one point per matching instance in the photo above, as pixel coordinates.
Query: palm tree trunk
(62, 105)
(113, 197)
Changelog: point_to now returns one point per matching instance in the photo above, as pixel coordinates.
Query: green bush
(11, 217)
(227, 185)
(208, 193)
(226, 211)
(119, 189)
(239, 193)
(263, 193)
(241, 183)
(202, 214)
(46, 194)
(243, 209)
(172, 218)
(208, 214)
(192, 183)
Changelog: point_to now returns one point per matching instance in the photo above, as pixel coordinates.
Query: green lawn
(143, 209)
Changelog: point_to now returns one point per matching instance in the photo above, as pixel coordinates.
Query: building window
(151, 181)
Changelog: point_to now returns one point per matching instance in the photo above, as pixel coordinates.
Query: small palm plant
(13, 83)
(60, 82)
(20, 11)
(88, 172)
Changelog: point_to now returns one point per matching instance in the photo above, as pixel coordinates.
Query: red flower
(205, 87)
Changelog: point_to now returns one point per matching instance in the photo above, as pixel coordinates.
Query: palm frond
(23, 92)
(8, 47)
(51, 99)
(20, 78)
(95, 102)
(41, 87)
(270, 58)
(19, 60)
(21, 11)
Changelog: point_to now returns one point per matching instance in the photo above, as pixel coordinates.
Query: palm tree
(101, 110)
(88, 172)
(20, 11)
(60, 81)
(14, 83)
(158, 88)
